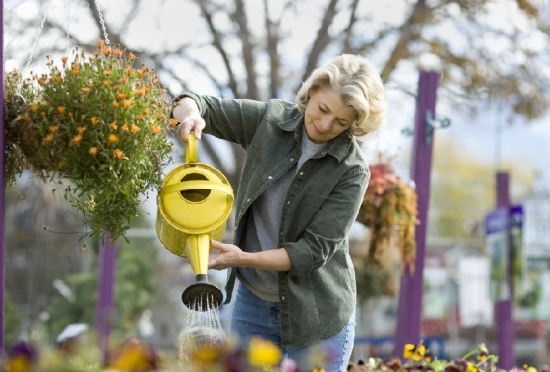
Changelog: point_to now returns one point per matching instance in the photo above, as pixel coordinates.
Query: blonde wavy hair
(359, 86)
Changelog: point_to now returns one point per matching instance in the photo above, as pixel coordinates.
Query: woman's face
(326, 116)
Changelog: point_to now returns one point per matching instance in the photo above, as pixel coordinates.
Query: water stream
(200, 329)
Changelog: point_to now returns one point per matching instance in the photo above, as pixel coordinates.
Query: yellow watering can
(194, 203)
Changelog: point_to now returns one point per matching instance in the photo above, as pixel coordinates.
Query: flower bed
(134, 355)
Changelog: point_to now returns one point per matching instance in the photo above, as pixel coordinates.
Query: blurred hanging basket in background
(389, 210)
(96, 121)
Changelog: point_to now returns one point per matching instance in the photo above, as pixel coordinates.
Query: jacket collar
(338, 147)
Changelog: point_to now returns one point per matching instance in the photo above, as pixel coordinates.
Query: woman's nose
(326, 123)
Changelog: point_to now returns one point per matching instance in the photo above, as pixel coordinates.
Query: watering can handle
(191, 149)
(196, 185)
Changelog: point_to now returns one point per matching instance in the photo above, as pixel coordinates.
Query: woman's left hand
(228, 256)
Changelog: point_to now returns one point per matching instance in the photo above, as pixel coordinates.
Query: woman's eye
(322, 110)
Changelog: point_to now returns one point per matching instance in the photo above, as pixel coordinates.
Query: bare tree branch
(239, 16)
(322, 40)
(346, 46)
(208, 17)
(407, 34)
(272, 46)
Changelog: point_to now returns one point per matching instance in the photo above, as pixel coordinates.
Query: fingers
(216, 244)
(190, 124)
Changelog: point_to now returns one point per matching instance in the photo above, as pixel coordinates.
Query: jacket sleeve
(234, 120)
(329, 229)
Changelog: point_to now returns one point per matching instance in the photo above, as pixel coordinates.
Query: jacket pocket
(309, 208)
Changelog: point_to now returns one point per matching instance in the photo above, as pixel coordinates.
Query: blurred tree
(264, 49)
(12, 320)
(463, 190)
(34, 256)
(134, 292)
(49, 270)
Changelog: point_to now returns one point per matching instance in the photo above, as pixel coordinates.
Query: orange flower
(134, 129)
(76, 71)
(160, 116)
(40, 80)
(81, 130)
(64, 60)
(58, 80)
(146, 112)
(113, 138)
(124, 80)
(53, 128)
(131, 56)
(106, 51)
(147, 89)
(155, 129)
(124, 127)
(92, 151)
(115, 104)
(139, 92)
(106, 83)
(61, 109)
(141, 72)
(118, 52)
(119, 154)
(94, 120)
(61, 164)
(139, 116)
(113, 125)
(127, 103)
(49, 138)
(130, 70)
(121, 96)
(34, 108)
(174, 121)
(77, 138)
(107, 72)
(100, 43)
(86, 90)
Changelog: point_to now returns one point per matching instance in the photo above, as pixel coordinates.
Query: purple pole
(503, 309)
(2, 195)
(409, 313)
(105, 304)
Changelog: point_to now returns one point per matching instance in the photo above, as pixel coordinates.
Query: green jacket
(318, 294)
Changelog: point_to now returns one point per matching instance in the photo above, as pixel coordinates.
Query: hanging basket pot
(98, 121)
(389, 210)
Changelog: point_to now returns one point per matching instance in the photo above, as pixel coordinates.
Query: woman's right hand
(188, 115)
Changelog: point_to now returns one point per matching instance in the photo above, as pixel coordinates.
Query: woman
(301, 187)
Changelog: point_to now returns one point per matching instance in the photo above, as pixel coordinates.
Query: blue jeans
(253, 316)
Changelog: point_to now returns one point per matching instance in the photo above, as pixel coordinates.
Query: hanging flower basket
(389, 210)
(97, 121)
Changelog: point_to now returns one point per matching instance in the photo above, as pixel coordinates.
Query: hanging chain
(68, 27)
(105, 35)
(40, 28)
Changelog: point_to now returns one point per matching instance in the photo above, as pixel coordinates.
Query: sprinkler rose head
(202, 296)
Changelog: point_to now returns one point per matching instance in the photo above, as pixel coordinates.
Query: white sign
(475, 304)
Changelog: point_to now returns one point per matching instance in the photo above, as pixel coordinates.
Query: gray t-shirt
(263, 224)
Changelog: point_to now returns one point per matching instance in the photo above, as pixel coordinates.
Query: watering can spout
(202, 295)
(194, 203)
